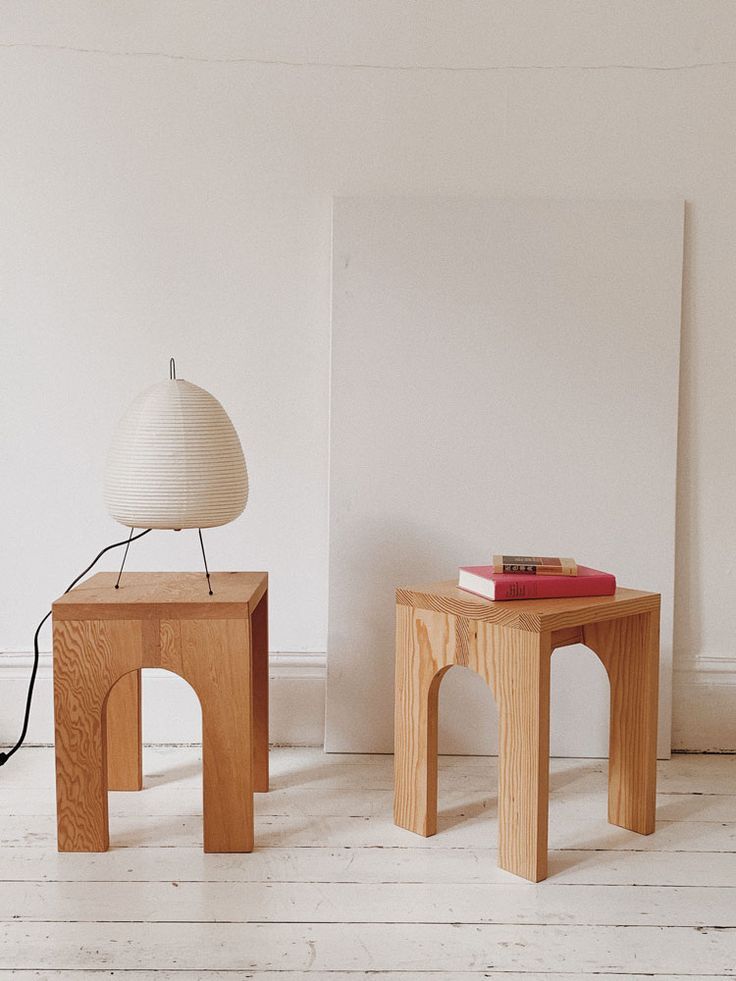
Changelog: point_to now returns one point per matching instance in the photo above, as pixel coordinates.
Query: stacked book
(518, 577)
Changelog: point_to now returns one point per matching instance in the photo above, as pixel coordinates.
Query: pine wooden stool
(510, 645)
(218, 644)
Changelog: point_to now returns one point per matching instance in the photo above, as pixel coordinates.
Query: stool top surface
(536, 614)
(163, 594)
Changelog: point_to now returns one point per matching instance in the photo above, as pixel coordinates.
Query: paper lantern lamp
(175, 461)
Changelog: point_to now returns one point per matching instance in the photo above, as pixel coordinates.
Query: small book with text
(535, 565)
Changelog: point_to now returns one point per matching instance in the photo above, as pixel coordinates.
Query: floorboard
(87, 975)
(334, 890)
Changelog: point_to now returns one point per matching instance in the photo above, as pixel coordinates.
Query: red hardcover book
(481, 580)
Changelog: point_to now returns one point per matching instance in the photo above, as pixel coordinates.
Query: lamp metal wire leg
(125, 556)
(204, 556)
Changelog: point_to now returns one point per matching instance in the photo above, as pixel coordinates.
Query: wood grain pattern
(515, 663)
(535, 615)
(419, 667)
(89, 657)
(97, 664)
(629, 650)
(143, 594)
(212, 655)
(259, 658)
(521, 683)
(566, 636)
(123, 728)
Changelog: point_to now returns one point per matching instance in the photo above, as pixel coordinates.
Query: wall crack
(360, 66)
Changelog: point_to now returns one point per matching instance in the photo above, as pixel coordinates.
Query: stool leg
(80, 686)
(415, 734)
(124, 737)
(259, 642)
(629, 648)
(216, 661)
(522, 692)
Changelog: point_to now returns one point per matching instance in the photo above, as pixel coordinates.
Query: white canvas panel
(504, 378)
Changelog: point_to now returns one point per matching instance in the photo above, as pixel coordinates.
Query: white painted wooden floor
(335, 891)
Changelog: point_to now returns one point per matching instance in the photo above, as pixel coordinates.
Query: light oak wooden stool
(510, 645)
(218, 644)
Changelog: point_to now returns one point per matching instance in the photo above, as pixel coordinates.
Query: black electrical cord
(4, 757)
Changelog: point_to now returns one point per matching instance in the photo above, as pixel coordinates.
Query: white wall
(164, 177)
(104, 283)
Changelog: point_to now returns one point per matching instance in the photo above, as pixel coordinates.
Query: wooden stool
(510, 645)
(219, 644)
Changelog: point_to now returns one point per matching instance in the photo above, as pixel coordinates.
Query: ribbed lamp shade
(175, 461)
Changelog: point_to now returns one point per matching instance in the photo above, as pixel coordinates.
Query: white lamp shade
(175, 461)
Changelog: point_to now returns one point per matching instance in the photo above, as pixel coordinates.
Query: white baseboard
(704, 705)
(170, 708)
(704, 718)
